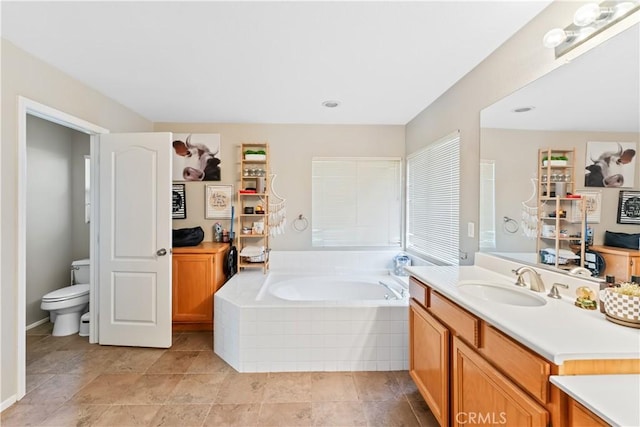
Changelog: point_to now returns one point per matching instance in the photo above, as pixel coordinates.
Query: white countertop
(614, 398)
(558, 330)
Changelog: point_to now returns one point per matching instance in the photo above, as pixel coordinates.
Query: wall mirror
(595, 97)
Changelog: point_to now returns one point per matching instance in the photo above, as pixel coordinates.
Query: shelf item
(561, 212)
(253, 197)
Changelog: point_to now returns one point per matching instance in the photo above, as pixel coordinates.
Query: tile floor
(73, 383)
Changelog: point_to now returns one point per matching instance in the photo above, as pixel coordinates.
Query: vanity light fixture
(331, 104)
(589, 20)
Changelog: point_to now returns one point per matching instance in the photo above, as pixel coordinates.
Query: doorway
(57, 228)
(29, 107)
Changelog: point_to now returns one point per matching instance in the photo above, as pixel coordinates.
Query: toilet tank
(80, 271)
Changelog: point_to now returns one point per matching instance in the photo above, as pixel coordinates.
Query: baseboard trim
(38, 323)
(8, 402)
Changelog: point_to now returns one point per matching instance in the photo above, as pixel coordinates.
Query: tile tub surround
(273, 335)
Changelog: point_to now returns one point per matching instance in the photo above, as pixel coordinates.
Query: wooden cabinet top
(202, 248)
(615, 250)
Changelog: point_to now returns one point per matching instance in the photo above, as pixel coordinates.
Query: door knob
(161, 252)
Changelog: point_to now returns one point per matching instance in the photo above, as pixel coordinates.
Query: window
(87, 189)
(356, 202)
(433, 205)
(487, 204)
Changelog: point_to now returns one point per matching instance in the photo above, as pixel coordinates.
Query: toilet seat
(67, 293)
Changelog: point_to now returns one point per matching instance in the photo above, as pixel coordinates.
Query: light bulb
(554, 38)
(586, 15)
(623, 8)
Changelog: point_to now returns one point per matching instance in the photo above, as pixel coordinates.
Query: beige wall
(291, 149)
(24, 75)
(516, 63)
(515, 153)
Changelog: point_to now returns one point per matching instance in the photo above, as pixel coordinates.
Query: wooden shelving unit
(557, 227)
(253, 193)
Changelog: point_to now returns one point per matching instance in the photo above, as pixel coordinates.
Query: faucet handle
(519, 278)
(553, 293)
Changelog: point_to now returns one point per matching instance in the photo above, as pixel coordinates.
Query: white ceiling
(598, 91)
(267, 62)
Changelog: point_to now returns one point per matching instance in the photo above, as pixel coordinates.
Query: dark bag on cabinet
(187, 237)
(622, 240)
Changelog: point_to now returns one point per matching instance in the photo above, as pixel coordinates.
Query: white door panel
(135, 231)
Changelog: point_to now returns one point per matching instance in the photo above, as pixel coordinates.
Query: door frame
(26, 107)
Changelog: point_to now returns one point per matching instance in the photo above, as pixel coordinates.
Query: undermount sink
(500, 294)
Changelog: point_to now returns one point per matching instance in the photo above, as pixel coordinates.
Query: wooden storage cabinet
(429, 360)
(197, 274)
(483, 396)
(619, 262)
(463, 367)
(579, 416)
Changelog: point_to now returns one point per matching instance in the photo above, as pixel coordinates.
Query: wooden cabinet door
(483, 396)
(193, 288)
(429, 360)
(579, 416)
(617, 265)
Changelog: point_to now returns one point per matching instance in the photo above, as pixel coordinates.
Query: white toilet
(66, 305)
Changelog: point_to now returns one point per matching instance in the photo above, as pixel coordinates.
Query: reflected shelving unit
(561, 217)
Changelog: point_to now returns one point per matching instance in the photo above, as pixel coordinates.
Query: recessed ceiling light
(331, 104)
(522, 109)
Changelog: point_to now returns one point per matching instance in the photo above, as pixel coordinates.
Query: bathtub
(285, 322)
(347, 289)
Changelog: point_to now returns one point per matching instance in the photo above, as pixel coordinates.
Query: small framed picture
(179, 202)
(629, 207)
(593, 208)
(218, 201)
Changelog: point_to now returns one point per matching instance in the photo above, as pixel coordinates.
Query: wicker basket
(625, 308)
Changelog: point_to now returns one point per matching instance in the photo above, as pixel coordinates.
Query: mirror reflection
(586, 107)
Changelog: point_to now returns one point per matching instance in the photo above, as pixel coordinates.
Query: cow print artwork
(610, 164)
(196, 157)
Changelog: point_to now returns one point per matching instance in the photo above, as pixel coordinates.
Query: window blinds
(356, 202)
(433, 200)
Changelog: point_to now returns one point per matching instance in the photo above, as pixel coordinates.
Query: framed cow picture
(196, 157)
(610, 164)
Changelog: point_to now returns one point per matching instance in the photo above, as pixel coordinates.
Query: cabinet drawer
(418, 291)
(530, 371)
(464, 324)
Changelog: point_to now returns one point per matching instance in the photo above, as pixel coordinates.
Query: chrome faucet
(536, 280)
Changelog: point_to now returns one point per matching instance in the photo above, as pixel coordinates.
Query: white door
(135, 239)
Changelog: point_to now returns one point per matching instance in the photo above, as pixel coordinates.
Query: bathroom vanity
(472, 357)
(198, 272)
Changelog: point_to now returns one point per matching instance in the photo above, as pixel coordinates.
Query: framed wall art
(218, 201)
(593, 199)
(610, 164)
(629, 207)
(196, 157)
(178, 202)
